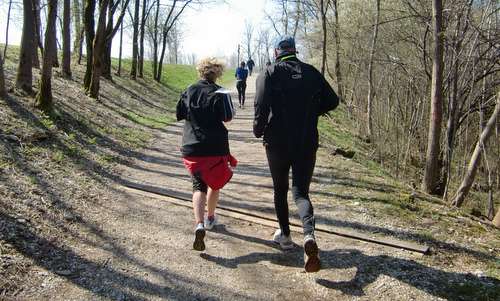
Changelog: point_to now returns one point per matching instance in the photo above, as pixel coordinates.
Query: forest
(420, 82)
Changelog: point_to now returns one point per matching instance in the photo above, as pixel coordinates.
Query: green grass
(179, 77)
(175, 77)
(157, 122)
(227, 78)
(335, 131)
(132, 137)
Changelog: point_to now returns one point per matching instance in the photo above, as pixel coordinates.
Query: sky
(216, 31)
(210, 30)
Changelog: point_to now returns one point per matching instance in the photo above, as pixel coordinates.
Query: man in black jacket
(290, 97)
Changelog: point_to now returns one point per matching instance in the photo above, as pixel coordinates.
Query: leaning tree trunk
(133, 70)
(44, 97)
(89, 23)
(66, 59)
(141, 40)
(496, 220)
(468, 180)
(430, 183)
(369, 105)
(24, 77)
(99, 42)
(3, 92)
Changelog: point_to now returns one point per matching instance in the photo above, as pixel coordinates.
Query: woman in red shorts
(205, 107)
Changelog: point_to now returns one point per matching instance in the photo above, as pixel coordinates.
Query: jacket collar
(290, 57)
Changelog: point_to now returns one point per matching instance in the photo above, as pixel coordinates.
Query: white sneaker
(284, 241)
(210, 224)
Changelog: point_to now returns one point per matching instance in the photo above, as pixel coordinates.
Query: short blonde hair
(210, 68)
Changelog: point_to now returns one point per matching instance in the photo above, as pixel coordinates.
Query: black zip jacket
(204, 110)
(290, 97)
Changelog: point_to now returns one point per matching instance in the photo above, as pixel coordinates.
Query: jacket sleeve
(224, 107)
(262, 104)
(181, 110)
(328, 98)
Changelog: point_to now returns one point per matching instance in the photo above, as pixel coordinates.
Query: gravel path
(140, 248)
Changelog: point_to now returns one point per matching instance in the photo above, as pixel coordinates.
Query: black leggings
(302, 171)
(198, 184)
(241, 86)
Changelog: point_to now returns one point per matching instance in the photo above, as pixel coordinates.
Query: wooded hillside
(419, 79)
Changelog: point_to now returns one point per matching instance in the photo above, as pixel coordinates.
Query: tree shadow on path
(436, 282)
(100, 279)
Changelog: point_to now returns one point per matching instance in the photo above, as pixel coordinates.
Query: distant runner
(205, 146)
(250, 65)
(290, 97)
(241, 83)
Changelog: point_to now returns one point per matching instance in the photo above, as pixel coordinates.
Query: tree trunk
(133, 70)
(468, 180)
(106, 60)
(430, 183)
(44, 97)
(80, 50)
(81, 33)
(119, 72)
(66, 60)
(7, 30)
(37, 37)
(369, 105)
(155, 41)
(89, 39)
(298, 14)
(323, 8)
(167, 26)
(55, 58)
(99, 42)
(338, 73)
(77, 25)
(24, 77)
(160, 63)
(141, 40)
(106, 53)
(453, 112)
(110, 30)
(3, 91)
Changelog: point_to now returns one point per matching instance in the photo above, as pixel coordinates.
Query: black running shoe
(312, 263)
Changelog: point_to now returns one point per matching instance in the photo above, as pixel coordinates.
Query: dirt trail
(141, 247)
